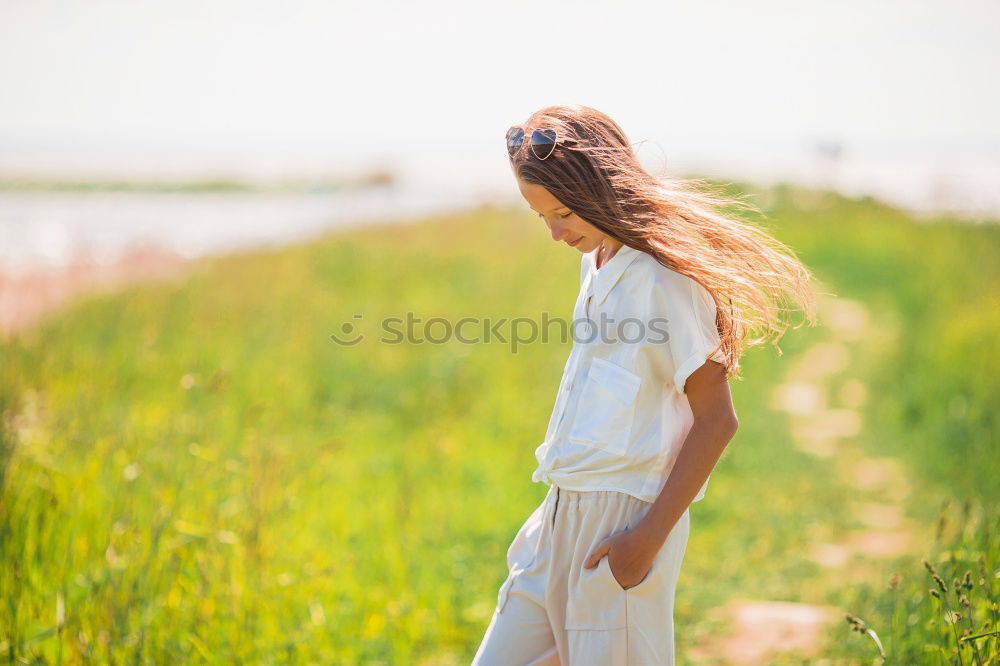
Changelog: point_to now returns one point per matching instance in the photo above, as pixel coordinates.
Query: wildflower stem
(958, 643)
(975, 648)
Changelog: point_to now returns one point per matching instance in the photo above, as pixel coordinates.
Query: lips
(573, 244)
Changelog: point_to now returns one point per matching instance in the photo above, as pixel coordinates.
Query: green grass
(934, 389)
(200, 474)
(939, 285)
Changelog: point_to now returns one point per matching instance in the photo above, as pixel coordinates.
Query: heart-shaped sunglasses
(543, 141)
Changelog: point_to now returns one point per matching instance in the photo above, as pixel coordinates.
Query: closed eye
(562, 216)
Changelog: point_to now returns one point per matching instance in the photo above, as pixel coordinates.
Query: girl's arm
(715, 423)
(631, 553)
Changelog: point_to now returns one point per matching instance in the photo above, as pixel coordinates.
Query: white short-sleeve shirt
(621, 415)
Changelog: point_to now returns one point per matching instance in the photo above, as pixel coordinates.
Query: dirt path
(823, 402)
(26, 299)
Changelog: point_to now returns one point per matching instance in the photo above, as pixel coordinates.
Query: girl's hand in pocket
(629, 559)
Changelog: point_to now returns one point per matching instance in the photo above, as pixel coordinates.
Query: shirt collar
(612, 270)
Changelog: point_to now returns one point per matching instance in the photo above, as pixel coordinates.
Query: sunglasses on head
(543, 142)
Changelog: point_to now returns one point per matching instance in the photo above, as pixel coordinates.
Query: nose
(558, 232)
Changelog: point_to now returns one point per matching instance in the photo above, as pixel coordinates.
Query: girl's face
(565, 225)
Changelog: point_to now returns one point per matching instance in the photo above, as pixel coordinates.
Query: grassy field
(194, 472)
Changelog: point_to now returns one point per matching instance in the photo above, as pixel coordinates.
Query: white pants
(551, 610)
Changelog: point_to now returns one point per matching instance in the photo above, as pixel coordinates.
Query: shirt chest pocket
(606, 409)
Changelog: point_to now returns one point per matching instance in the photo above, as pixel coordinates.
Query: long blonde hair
(594, 172)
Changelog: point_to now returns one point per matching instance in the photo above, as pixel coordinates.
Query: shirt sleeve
(690, 312)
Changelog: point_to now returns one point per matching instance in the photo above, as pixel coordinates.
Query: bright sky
(250, 84)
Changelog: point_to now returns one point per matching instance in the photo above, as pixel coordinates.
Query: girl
(643, 411)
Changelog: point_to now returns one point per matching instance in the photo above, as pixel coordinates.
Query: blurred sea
(41, 230)
(51, 229)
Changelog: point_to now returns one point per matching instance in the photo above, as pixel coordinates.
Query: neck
(608, 248)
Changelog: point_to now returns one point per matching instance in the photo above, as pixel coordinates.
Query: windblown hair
(595, 173)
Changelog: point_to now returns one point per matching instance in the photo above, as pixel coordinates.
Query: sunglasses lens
(515, 137)
(543, 142)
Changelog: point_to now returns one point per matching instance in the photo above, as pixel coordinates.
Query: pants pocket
(596, 618)
(595, 600)
(662, 575)
(636, 514)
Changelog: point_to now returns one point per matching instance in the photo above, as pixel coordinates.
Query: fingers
(595, 556)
